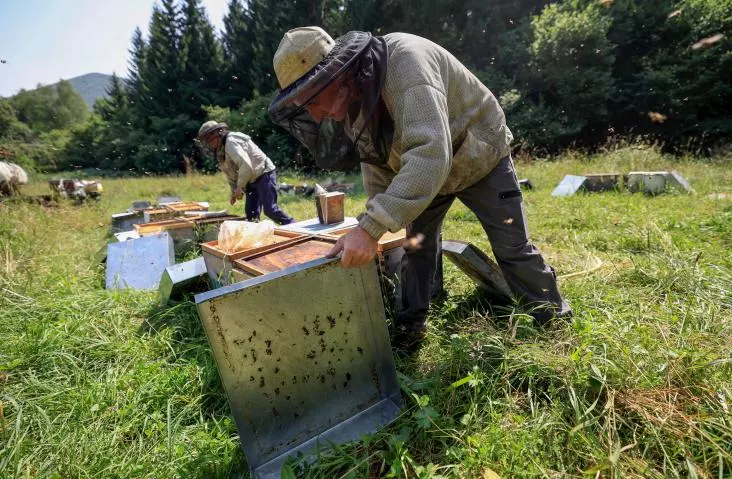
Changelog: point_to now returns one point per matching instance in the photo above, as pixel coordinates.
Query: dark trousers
(262, 194)
(497, 202)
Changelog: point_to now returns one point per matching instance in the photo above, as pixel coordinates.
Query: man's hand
(358, 248)
(236, 195)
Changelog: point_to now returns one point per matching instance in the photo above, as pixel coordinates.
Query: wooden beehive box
(219, 263)
(207, 229)
(602, 182)
(284, 255)
(180, 230)
(183, 206)
(158, 214)
(147, 229)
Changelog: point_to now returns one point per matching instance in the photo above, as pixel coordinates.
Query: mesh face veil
(336, 110)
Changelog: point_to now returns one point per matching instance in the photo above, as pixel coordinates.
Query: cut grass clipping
(637, 385)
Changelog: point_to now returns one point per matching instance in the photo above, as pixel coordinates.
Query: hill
(91, 86)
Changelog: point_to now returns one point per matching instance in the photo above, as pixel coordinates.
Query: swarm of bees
(414, 243)
(707, 42)
(656, 117)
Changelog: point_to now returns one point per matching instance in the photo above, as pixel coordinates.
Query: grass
(638, 384)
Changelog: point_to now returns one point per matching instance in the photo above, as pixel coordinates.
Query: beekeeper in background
(248, 170)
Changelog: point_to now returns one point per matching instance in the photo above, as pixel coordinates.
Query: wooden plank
(392, 240)
(158, 226)
(183, 206)
(279, 237)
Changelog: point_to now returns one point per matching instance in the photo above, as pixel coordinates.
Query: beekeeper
(425, 131)
(248, 170)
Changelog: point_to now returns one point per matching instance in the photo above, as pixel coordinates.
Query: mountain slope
(91, 86)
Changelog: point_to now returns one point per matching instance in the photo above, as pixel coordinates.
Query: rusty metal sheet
(304, 357)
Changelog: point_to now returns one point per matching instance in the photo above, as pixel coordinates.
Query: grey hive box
(163, 200)
(304, 357)
(138, 263)
(126, 221)
(182, 277)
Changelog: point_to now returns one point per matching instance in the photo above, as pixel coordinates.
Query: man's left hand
(358, 248)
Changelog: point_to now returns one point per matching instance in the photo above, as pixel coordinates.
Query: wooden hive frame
(184, 206)
(246, 264)
(220, 264)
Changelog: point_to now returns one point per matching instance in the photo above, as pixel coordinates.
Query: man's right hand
(237, 194)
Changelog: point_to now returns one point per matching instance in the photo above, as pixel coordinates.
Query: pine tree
(200, 62)
(136, 67)
(161, 71)
(114, 106)
(238, 41)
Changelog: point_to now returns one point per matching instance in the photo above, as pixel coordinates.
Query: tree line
(567, 73)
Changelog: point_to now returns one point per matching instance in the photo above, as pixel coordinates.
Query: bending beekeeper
(248, 170)
(425, 131)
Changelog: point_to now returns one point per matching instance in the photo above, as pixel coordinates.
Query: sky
(42, 41)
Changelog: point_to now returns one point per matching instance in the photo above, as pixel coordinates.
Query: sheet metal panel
(478, 267)
(313, 226)
(304, 357)
(569, 185)
(182, 277)
(139, 263)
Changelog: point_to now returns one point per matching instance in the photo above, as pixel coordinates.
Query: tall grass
(637, 384)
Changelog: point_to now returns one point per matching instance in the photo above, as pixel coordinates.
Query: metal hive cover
(313, 226)
(479, 267)
(138, 263)
(304, 357)
(569, 185)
